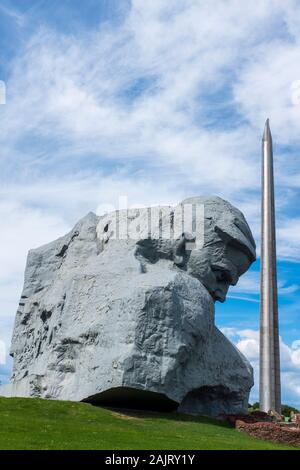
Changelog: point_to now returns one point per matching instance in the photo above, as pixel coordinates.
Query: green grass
(38, 424)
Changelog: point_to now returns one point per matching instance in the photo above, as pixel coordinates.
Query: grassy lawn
(38, 424)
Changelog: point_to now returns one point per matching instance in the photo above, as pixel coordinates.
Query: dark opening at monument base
(209, 401)
(213, 401)
(131, 398)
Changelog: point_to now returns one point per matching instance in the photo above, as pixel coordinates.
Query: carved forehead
(225, 222)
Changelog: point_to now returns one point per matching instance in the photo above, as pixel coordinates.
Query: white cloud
(138, 93)
(289, 238)
(247, 341)
(23, 229)
(249, 283)
(265, 88)
(13, 14)
(73, 88)
(2, 352)
(296, 344)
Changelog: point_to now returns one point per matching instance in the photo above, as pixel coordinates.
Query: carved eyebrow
(246, 247)
(231, 270)
(224, 271)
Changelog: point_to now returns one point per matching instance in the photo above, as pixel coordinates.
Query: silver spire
(270, 393)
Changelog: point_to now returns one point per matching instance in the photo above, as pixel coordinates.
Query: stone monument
(269, 387)
(126, 317)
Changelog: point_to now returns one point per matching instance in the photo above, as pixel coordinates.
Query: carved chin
(219, 295)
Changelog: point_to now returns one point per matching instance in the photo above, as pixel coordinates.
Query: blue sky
(155, 101)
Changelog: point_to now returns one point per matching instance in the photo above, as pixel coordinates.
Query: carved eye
(223, 276)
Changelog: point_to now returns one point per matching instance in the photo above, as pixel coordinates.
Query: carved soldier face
(218, 267)
(227, 253)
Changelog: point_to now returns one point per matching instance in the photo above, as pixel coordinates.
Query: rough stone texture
(105, 317)
(283, 434)
(249, 418)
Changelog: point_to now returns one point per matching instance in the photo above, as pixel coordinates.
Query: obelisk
(270, 393)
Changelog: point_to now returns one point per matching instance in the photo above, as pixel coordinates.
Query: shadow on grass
(144, 404)
(171, 416)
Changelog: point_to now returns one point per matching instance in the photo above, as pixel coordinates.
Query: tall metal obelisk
(270, 391)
